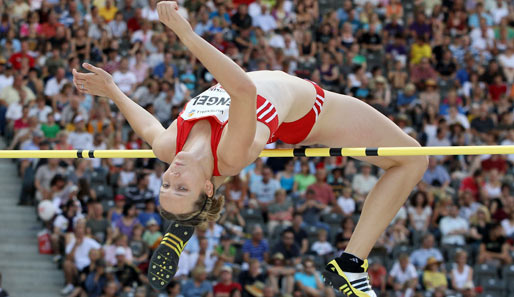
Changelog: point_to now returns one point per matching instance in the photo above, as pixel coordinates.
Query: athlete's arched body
(263, 104)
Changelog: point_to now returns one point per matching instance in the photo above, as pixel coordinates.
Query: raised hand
(169, 16)
(98, 82)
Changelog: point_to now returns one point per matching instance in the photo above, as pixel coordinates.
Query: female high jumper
(223, 130)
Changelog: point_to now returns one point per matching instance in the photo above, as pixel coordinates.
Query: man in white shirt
(265, 20)
(77, 255)
(6, 77)
(346, 202)
(80, 138)
(453, 228)
(402, 272)
(125, 79)
(54, 85)
(420, 256)
(363, 182)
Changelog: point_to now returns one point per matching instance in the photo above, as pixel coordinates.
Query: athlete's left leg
(349, 122)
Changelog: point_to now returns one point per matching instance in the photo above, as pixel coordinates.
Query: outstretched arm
(241, 127)
(100, 83)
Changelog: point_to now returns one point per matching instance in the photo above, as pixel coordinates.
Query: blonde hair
(208, 210)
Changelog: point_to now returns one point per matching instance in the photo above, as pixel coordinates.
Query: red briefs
(213, 105)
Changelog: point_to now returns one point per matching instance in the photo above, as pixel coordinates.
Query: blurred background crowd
(443, 70)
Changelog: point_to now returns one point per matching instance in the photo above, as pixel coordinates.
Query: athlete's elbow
(246, 89)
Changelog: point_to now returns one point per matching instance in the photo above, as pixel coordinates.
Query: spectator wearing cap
(432, 277)
(112, 246)
(280, 272)
(402, 273)
(198, 285)
(226, 285)
(255, 247)
(80, 138)
(126, 273)
(152, 235)
(77, 255)
(97, 226)
(140, 193)
(420, 256)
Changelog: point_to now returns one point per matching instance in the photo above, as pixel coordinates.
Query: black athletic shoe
(350, 283)
(164, 262)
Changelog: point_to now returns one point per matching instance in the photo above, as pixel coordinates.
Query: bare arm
(242, 125)
(100, 83)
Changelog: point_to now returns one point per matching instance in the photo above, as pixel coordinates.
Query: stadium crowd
(443, 70)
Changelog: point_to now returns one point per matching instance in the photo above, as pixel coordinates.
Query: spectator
(322, 247)
(310, 281)
(419, 212)
(312, 209)
(402, 273)
(80, 138)
(280, 213)
(77, 255)
(363, 182)
(97, 226)
(55, 84)
(300, 235)
(152, 236)
(44, 175)
(264, 190)
(124, 78)
(225, 286)
(119, 243)
(256, 247)
(420, 256)
(377, 274)
(343, 237)
(433, 278)
(279, 270)
(249, 279)
(126, 273)
(323, 191)
(346, 202)
(140, 193)
(288, 248)
(462, 274)
(494, 248)
(125, 224)
(303, 179)
(436, 174)
(454, 229)
(198, 286)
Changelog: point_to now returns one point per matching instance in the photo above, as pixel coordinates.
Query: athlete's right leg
(349, 122)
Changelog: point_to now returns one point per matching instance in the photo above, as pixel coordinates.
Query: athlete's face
(182, 183)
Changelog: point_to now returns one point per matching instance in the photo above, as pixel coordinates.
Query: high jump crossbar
(296, 152)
